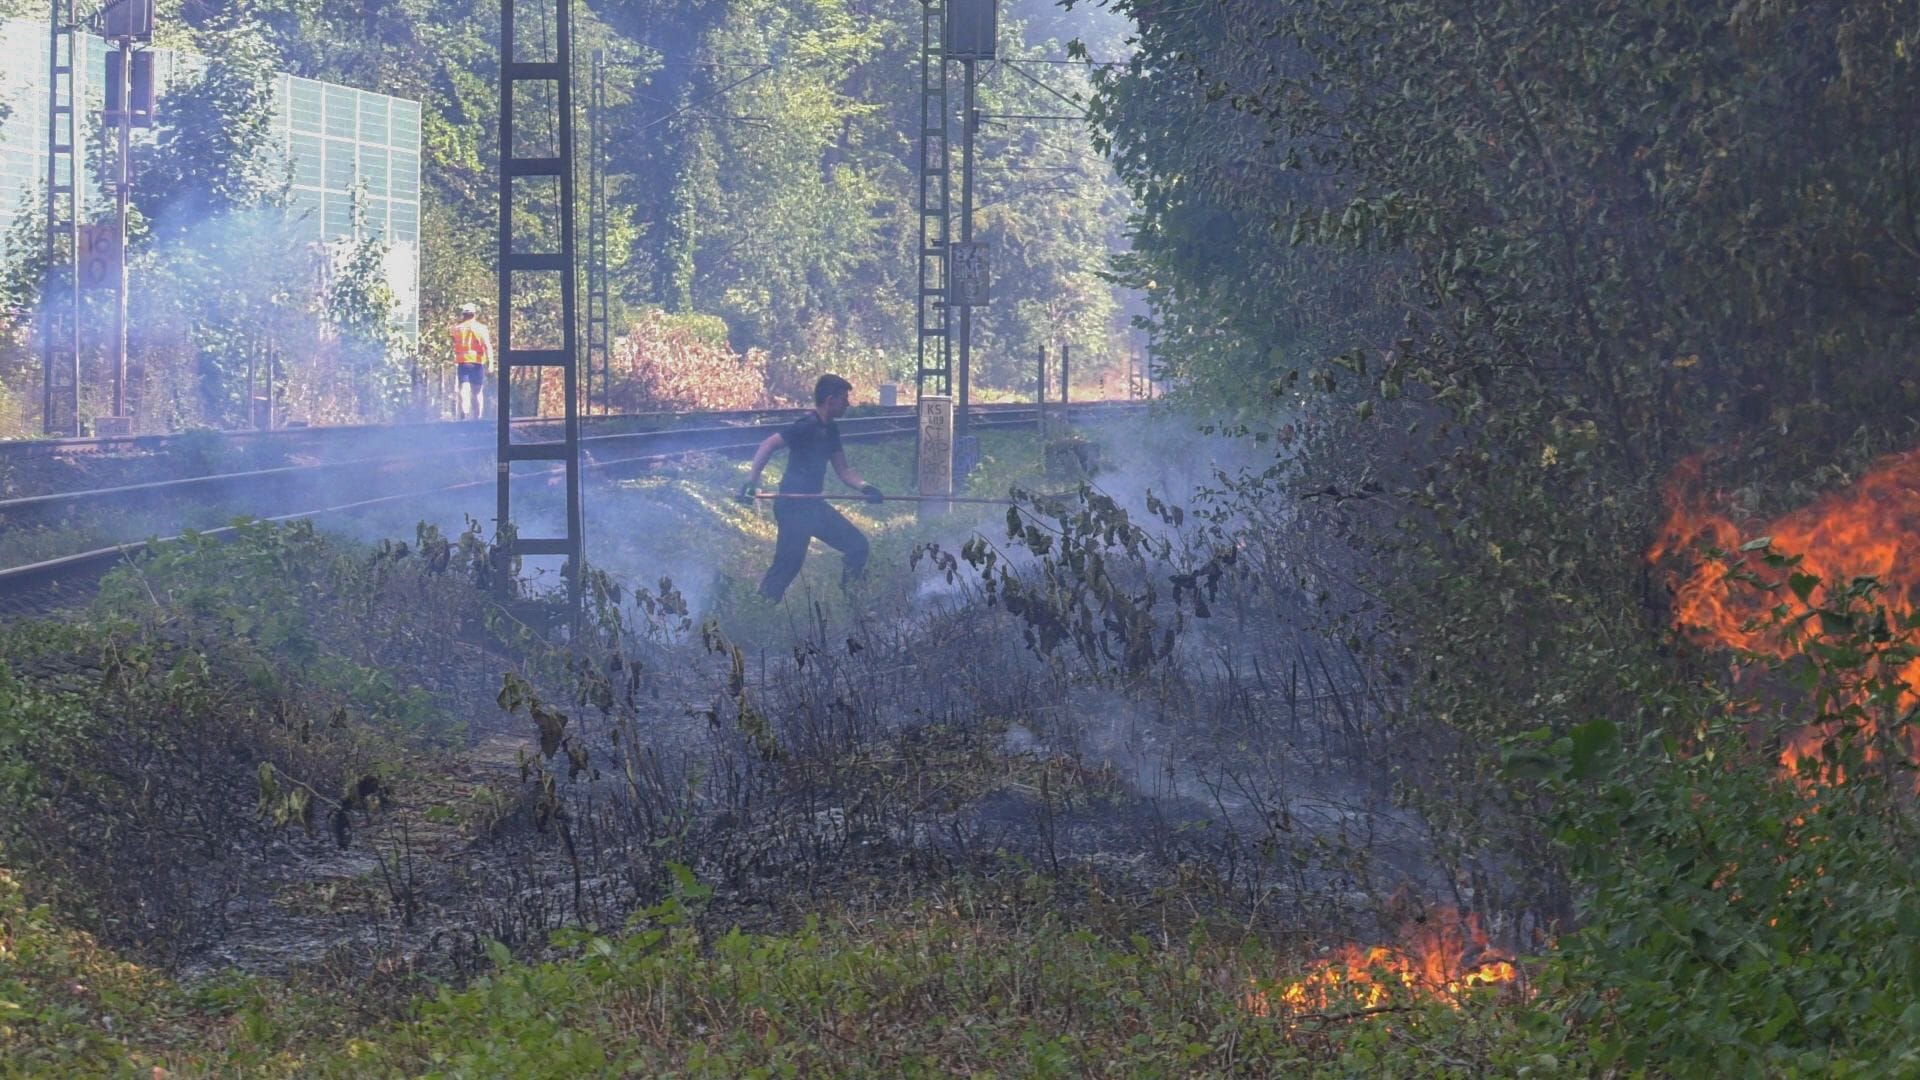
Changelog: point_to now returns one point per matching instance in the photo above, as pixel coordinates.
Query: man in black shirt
(812, 442)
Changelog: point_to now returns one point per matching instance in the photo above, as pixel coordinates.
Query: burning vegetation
(1443, 954)
(1774, 590)
(1870, 528)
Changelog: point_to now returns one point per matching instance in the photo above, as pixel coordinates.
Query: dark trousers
(800, 521)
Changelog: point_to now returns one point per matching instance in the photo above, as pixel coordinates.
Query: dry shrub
(19, 370)
(320, 388)
(669, 362)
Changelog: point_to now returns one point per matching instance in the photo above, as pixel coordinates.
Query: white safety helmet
(468, 311)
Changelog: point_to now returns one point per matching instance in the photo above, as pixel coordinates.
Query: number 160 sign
(99, 256)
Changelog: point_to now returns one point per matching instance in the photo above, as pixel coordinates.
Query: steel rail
(688, 440)
(295, 438)
(20, 583)
(34, 503)
(190, 484)
(442, 430)
(26, 508)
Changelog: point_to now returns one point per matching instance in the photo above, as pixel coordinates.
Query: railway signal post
(971, 33)
(129, 105)
(953, 276)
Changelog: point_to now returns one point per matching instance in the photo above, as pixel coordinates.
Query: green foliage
(210, 155)
(1093, 582)
(1740, 916)
(929, 996)
(55, 986)
(1498, 268)
(359, 306)
(775, 190)
(41, 735)
(1470, 262)
(785, 232)
(1470, 229)
(258, 664)
(221, 275)
(1049, 210)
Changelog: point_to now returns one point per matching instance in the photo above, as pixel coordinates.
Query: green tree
(359, 313)
(790, 179)
(209, 153)
(215, 256)
(761, 170)
(1051, 210)
(1505, 265)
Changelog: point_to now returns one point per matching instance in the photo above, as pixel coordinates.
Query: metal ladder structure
(60, 330)
(599, 341)
(935, 372)
(556, 135)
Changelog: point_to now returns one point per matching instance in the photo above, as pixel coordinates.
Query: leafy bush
(40, 736)
(215, 689)
(1078, 570)
(930, 994)
(56, 986)
(1508, 285)
(670, 362)
(1743, 917)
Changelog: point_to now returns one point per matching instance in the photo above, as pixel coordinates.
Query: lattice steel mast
(555, 70)
(60, 330)
(935, 371)
(599, 341)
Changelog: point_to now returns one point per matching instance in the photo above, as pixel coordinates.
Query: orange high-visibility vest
(471, 344)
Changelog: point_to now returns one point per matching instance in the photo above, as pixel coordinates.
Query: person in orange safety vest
(472, 355)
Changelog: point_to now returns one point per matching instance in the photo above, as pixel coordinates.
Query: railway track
(314, 439)
(59, 466)
(294, 492)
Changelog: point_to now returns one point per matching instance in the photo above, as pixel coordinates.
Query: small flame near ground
(1870, 528)
(1445, 955)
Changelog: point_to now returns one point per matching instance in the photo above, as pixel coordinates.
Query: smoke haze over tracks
(115, 522)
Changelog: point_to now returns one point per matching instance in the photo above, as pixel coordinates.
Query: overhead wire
(1081, 105)
(708, 96)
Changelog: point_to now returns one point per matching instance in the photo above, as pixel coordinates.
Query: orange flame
(1446, 955)
(1871, 528)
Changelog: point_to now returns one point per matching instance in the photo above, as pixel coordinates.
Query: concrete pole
(1040, 388)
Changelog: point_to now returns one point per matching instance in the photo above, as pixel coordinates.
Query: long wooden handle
(889, 498)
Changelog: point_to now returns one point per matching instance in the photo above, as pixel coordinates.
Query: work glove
(872, 493)
(745, 496)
